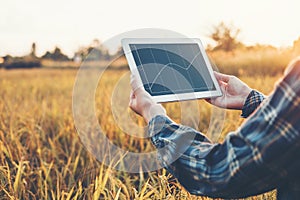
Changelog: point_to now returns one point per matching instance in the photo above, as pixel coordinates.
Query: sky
(70, 24)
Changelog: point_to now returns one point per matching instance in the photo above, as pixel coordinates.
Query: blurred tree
(94, 52)
(7, 58)
(33, 50)
(56, 55)
(96, 43)
(226, 37)
(119, 52)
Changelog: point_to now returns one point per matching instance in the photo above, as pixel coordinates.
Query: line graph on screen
(164, 66)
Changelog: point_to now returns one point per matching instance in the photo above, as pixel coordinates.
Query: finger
(131, 99)
(132, 95)
(132, 79)
(208, 100)
(222, 77)
(212, 100)
(135, 84)
(222, 82)
(222, 85)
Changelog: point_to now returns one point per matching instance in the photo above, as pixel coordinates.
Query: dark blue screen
(171, 68)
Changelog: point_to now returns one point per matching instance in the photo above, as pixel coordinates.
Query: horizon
(70, 25)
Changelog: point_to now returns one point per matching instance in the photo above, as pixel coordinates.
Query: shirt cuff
(157, 123)
(253, 100)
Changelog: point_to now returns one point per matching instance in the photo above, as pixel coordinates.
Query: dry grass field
(42, 156)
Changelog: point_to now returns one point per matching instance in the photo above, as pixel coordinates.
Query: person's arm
(256, 158)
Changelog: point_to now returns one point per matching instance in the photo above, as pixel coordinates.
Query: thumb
(135, 83)
(221, 77)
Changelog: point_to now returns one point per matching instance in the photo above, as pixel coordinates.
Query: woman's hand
(235, 92)
(142, 103)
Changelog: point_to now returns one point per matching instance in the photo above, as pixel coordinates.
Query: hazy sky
(70, 23)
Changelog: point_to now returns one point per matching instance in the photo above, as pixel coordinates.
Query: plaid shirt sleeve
(253, 100)
(263, 154)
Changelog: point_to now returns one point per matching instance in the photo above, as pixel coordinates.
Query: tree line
(224, 35)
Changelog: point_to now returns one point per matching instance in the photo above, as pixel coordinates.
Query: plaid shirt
(263, 154)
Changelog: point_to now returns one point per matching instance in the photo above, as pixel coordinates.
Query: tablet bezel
(171, 97)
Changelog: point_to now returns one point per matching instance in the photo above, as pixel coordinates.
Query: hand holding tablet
(171, 69)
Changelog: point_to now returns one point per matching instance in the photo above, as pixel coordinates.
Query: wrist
(243, 97)
(153, 110)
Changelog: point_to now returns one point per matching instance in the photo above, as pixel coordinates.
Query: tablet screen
(172, 68)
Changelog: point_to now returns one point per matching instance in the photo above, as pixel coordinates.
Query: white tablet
(171, 69)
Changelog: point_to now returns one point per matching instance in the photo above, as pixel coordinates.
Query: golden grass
(255, 61)
(42, 156)
(116, 64)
